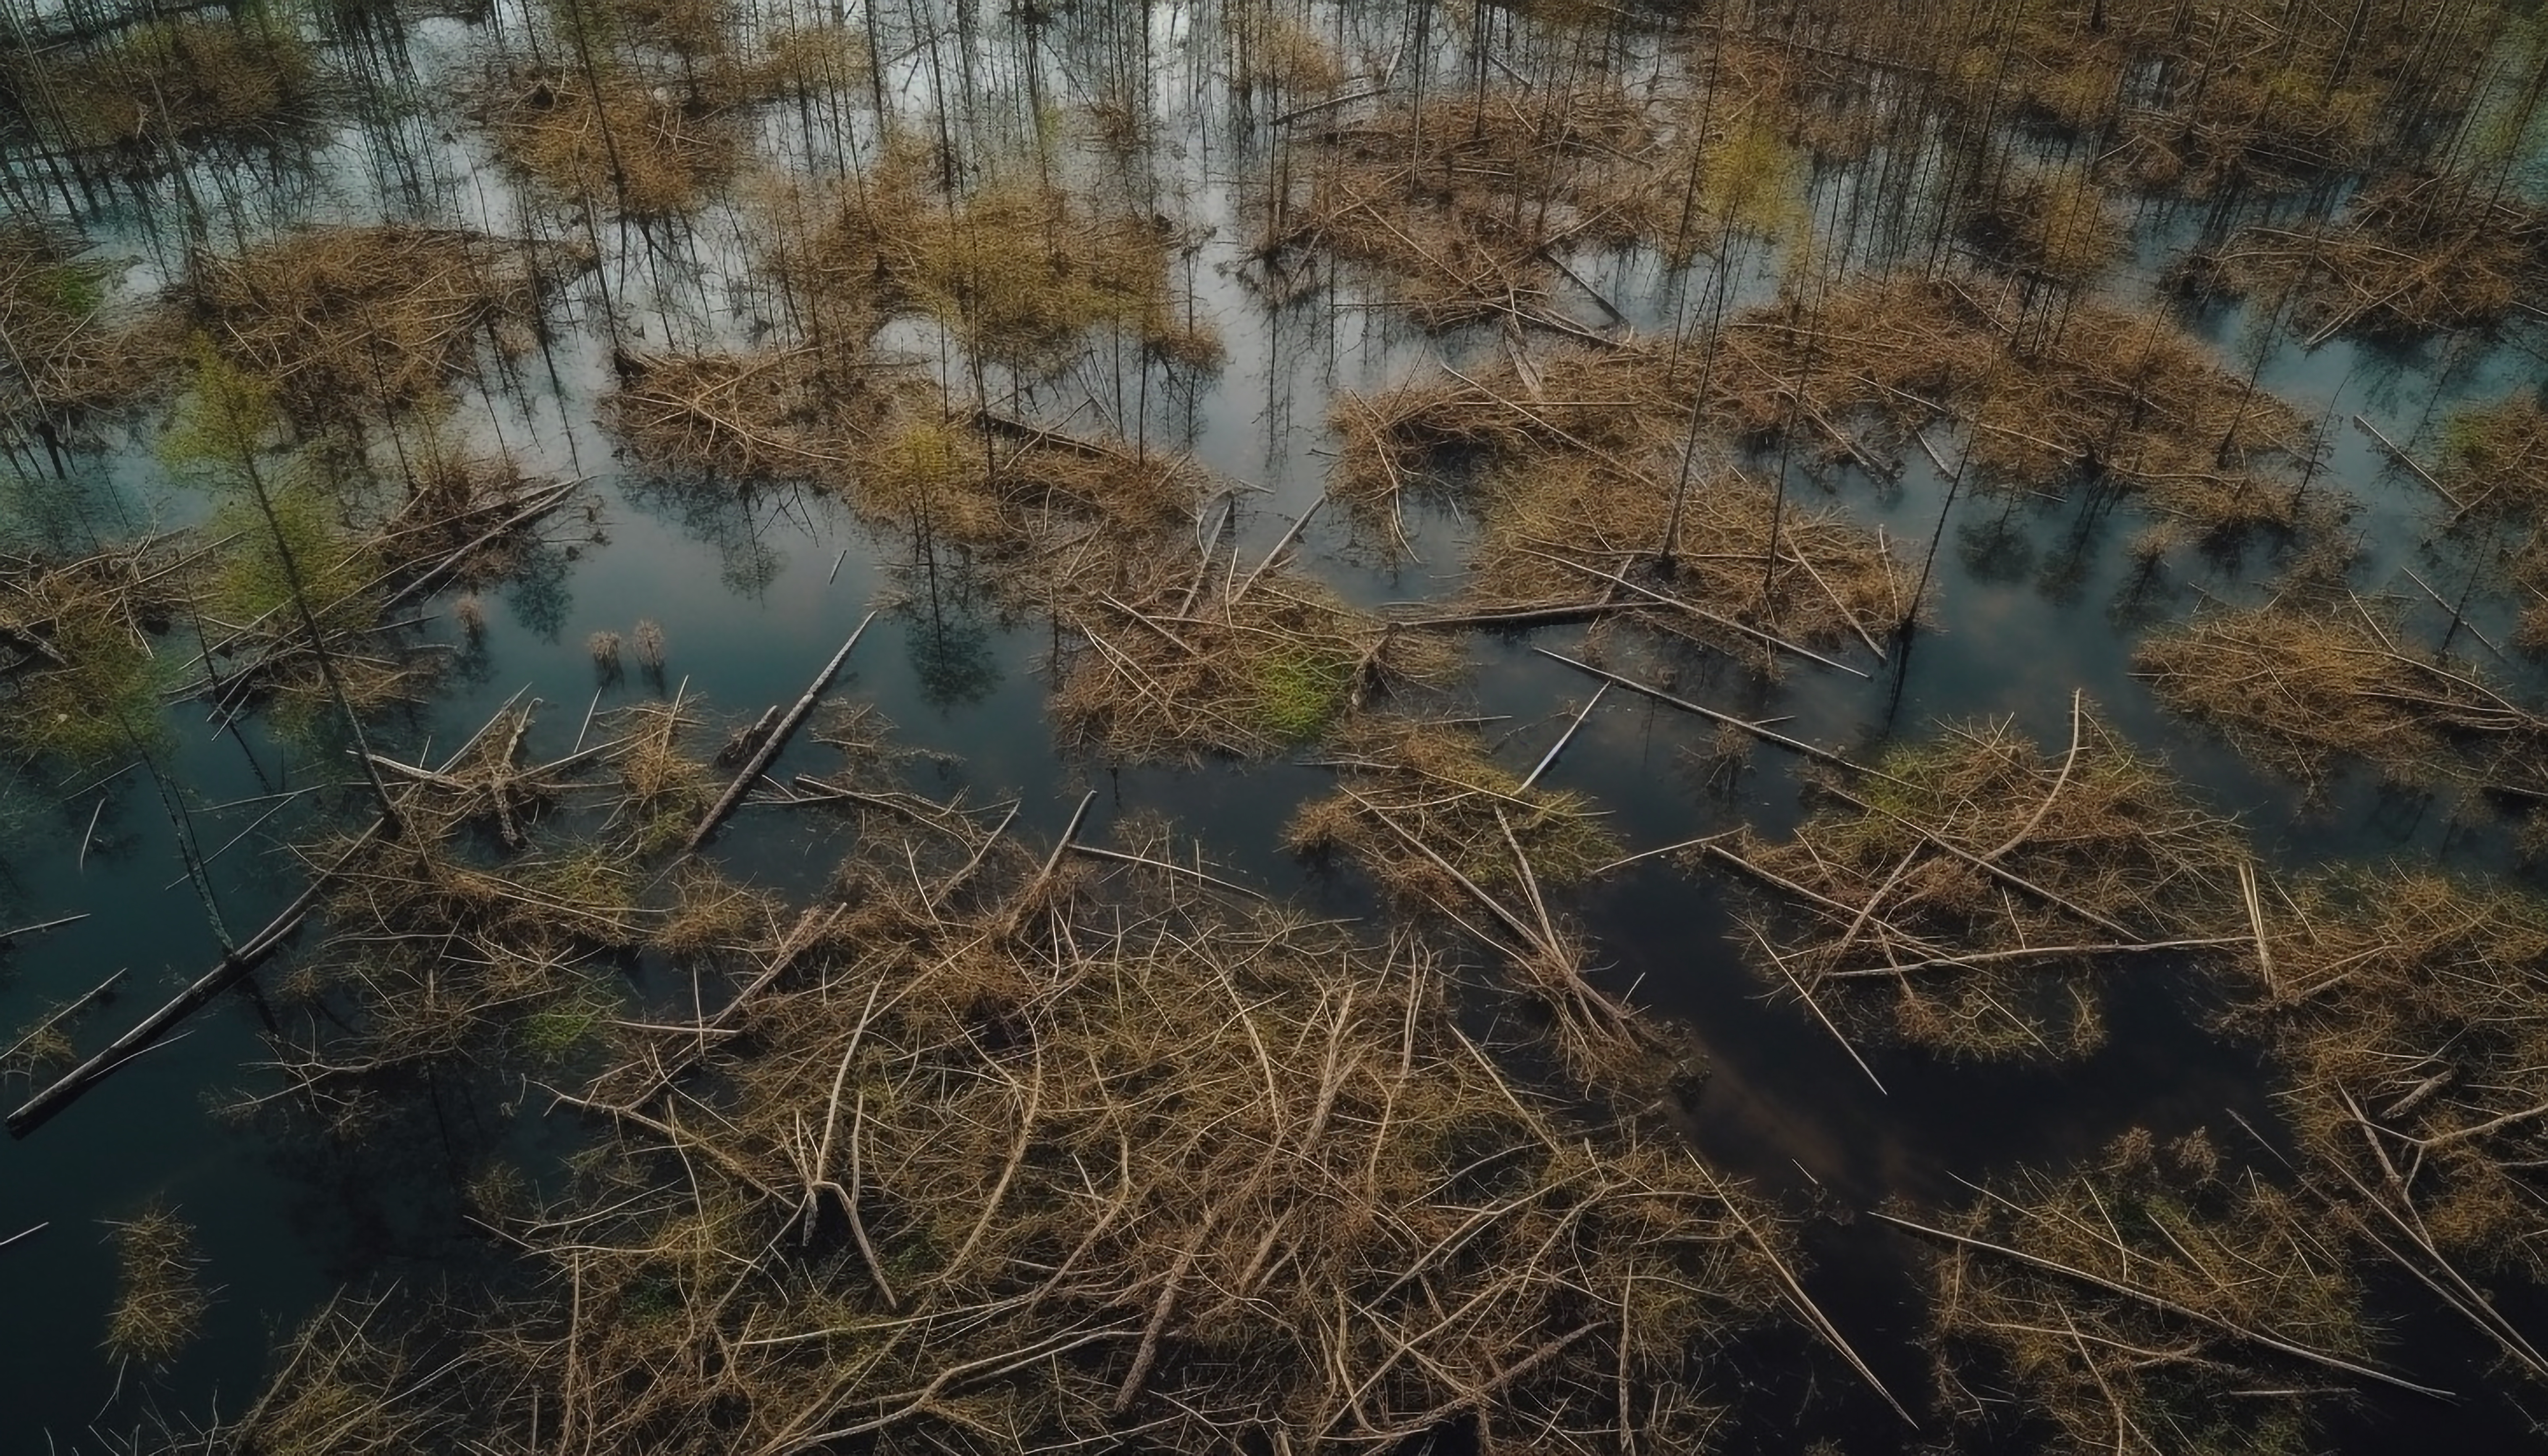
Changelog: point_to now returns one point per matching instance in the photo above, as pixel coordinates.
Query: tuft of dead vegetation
(80, 674)
(2410, 1009)
(2154, 1301)
(2412, 253)
(2207, 100)
(1445, 831)
(1969, 893)
(1205, 653)
(2304, 684)
(159, 1297)
(608, 133)
(55, 356)
(2050, 224)
(364, 322)
(1019, 268)
(2096, 393)
(1589, 511)
(147, 89)
(1464, 203)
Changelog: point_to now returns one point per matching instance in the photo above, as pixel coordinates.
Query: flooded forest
(1273, 727)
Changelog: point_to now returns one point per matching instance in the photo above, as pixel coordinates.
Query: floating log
(769, 746)
(41, 1108)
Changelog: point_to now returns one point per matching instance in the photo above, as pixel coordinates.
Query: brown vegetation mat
(1443, 830)
(2156, 1301)
(53, 352)
(187, 80)
(2411, 1011)
(2303, 685)
(79, 672)
(2095, 391)
(1461, 201)
(2412, 253)
(1018, 267)
(884, 435)
(354, 323)
(1179, 656)
(612, 136)
(2494, 470)
(990, 1156)
(2210, 96)
(1588, 511)
(2052, 224)
(159, 1297)
(1971, 892)
(461, 523)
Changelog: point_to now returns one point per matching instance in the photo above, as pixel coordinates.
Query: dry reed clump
(1279, 54)
(80, 675)
(1597, 533)
(2410, 1009)
(55, 354)
(355, 322)
(2101, 392)
(1970, 892)
(476, 935)
(1575, 459)
(2303, 685)
(1205, 654)
(994, 1163)
(159, 1300)
(1462, 201)
(2494, 468)
(609, 133)
(1443, 830)
(2232, 95)
(183, 80)
(2412, 253)
(780, 414)
(2154, 1301)
(1019, 269)
(2048, 223)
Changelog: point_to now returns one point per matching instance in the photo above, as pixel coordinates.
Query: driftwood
(44, 1106)
(771, 744)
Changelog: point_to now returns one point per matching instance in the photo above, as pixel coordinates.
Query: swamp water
(1035, 335)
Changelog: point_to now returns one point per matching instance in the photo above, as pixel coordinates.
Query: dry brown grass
(159, 1300)
(56, 354)
(355, 322)
(1969, 893)
(1201, 652)
(2152, 1332)
(2304, 684)
(1461, 201)
(187, 80)
(2411, 1011)
(2095, 391)
(2204, 97)
(985, 1152)
(613, 137)
(1018, 268)
(2412, 253)
(1576, 459)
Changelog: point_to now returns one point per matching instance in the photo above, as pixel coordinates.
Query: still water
(2033, 597)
